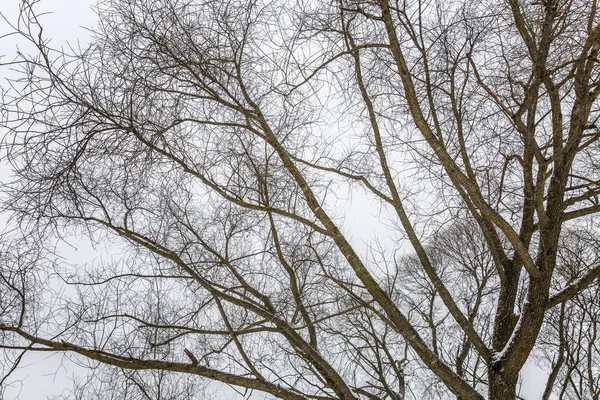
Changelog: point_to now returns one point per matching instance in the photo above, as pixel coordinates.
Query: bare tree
(569, 341)
(206, 144)
(459, 256)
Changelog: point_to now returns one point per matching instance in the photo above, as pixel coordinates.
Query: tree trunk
(502, 387)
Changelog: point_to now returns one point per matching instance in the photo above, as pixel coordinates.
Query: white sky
(43, 375)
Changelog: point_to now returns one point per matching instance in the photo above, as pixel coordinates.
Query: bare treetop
(212, 149)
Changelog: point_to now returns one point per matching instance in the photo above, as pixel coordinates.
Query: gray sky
(43, 375)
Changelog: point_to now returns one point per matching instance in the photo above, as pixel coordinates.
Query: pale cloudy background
(41, 375)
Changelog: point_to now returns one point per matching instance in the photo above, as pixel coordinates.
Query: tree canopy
(219, 152)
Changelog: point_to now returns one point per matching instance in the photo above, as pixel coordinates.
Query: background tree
(207, 145)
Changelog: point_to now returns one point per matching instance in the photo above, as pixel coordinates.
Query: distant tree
(210, 146)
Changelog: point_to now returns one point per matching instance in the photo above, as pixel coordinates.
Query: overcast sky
(43, 376)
